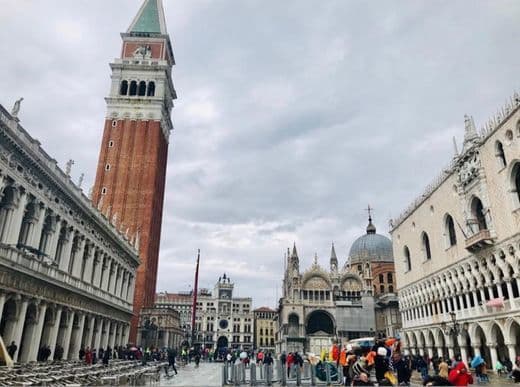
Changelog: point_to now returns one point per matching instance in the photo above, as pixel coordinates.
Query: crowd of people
(384, 363)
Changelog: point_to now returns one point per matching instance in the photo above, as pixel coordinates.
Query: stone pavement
(207, 375)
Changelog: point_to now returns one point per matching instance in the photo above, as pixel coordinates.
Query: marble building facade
(67, 274)
(457, 249)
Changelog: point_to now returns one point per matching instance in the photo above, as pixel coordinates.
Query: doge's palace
(457, 249)
(67, 273)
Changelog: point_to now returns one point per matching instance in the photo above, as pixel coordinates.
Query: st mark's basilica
(320, 305)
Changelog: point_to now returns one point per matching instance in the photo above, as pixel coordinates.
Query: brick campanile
(131, 170)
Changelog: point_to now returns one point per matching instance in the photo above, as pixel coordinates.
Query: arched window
(390, 278)
(515, 183)
(124, 88)
(477, 209)
(426, 246)
(151, 89)
(133, 88)
(142, 88)
(390, 289)
(381, 288)
(451, 236)
(381, 278)
(500, 155)
(407, 260)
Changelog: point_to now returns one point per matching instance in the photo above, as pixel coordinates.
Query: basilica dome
(371, 247)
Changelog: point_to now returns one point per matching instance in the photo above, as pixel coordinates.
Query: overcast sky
(291, 116)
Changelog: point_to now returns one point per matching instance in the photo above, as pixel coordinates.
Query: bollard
(224, 374)
(306, 371)
(243, 373)
(252, 374)
(236, 381)
(327, 373)
(298, 376)
(313, 375)
(283, 376)
(269, 375)
(232, 374)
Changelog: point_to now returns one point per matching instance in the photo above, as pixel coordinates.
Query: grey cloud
(292, 116)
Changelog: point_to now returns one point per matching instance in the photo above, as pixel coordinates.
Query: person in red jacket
(290, 362)
(460, 376)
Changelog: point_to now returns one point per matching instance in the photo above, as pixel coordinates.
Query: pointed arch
(500, 154)
(426, 246)
(449, 230)
(407, 258)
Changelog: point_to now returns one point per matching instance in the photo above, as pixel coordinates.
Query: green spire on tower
(150, 19)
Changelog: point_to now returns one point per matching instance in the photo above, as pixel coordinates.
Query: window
(500, 155)
(103, 190)
(450, 231)
(142, 88)
(426, 246)
(407, 260)
(390, 288)
(477, 209)
(123, 90)
(381, 278)
(110, 144)
(390, 278)
(515, 184)
(151, 89)
(382, 288)
(107, 167)
(114, 123)
(133, 88)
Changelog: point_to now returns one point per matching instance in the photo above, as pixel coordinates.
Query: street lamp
(454, 326)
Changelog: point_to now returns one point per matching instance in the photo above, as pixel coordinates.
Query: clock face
(223, 324)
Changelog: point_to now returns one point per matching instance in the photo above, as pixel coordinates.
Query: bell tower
(131, 171)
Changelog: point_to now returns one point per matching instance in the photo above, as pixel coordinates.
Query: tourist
(290, 362)
(106, 356)
(268, 359)
(260, 358)
(81, 353)
(58, 352)
(172, 354)
(403, 368)
(94, 356)
(11, 349)
(381, 364)
(444, 370)
(197, 359)
(515, 373)
(46, 353)
(460, 376)
(88, 356)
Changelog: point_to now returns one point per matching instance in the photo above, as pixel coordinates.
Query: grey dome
(371, 247)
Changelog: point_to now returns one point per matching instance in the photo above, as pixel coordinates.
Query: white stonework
(58, 256)
(457, 249)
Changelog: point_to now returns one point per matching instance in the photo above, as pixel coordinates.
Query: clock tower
(131, 171)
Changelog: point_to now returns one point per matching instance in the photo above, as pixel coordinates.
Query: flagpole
(194, 306)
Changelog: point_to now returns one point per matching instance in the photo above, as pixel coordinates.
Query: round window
(223, 324)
